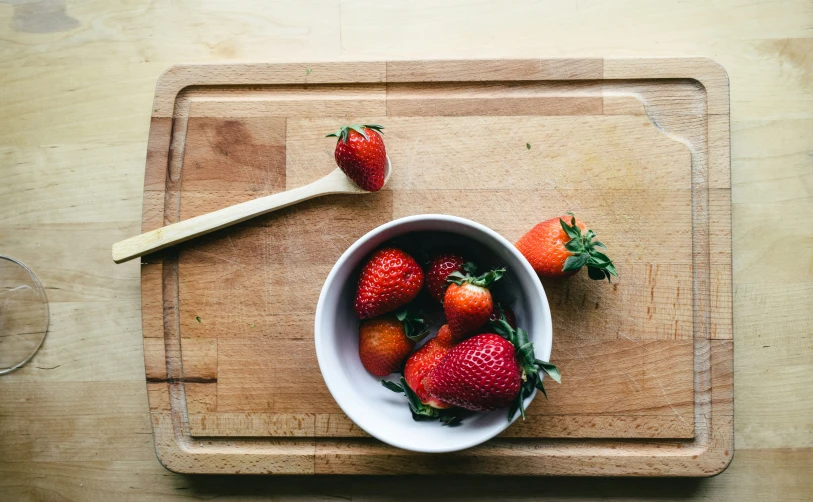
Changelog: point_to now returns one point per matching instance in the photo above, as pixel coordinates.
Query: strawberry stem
(344, 131)
(414, 326)
(482, 281)
(530, 365)
(584, 252)
(451, 417)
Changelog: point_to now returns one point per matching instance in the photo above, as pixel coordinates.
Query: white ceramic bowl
(381, 412)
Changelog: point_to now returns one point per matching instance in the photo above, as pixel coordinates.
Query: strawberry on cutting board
(468, 303)
(490, 371)
(385, 342)
(438, 270)
(557, 249)
(361, 155)
(389, 279)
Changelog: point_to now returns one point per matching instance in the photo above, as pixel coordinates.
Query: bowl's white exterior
(383, 413)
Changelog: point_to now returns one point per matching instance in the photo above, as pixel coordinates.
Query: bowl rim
(340, 263)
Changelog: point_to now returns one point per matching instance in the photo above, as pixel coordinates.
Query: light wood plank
(251, 424)
(531, 69)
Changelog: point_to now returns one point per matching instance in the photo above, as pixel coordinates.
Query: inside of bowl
(379, 411)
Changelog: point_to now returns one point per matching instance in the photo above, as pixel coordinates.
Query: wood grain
(77, 103)
(531, 69)
(239, 304)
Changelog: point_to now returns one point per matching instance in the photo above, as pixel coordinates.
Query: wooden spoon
(335, 182)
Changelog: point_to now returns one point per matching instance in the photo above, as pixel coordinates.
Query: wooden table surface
(76, 87)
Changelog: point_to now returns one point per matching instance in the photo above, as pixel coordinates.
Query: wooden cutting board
(638, 149)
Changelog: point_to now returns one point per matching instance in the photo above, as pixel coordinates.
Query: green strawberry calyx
(482, 281)
(532, 368)
(420, 412)
(583, 247)
(414, 325)
(344, 131)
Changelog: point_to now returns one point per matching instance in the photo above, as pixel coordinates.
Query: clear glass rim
(41, 292)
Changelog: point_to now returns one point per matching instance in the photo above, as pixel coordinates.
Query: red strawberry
(385, 342)
(556, 249)
(390, 278)
(425, 360)
(440, 266)
(361, 155)
(479, 374)
(468, 303)
(490, 371)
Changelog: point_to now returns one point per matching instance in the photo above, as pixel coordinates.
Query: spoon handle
(160, 238)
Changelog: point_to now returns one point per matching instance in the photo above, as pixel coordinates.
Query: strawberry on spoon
(360, 154)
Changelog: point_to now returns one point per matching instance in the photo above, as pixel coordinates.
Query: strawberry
(389, 279)
(479, 374)
(556, 249)
(440, 266)
(360, 154)
(385, 342)
(468, 303)
(425, 360)
(490, 371)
